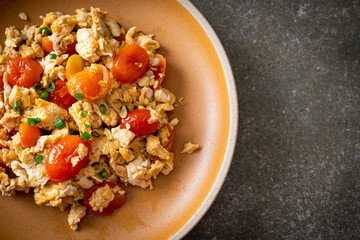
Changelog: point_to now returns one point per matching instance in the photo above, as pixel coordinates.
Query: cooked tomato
(138, 121)
(74, 65)
(118, 201)
(58, 163)
(130, 63)
(93, 82)
(48, 46)
(1, 82)
(23, 72)
(28, 134)
(61, 95)
(159, 70)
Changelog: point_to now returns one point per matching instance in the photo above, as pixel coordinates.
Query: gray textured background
(295, 173)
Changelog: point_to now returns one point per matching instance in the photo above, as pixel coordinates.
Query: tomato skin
(118, 201)
(125, 69)
(48, 46)
(58, 159)
(159, 70)
(138, 121)
(61, 95)
(23, 72)
(1, 83)
(28, 135)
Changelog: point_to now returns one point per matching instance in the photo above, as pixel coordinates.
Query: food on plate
(190, 147)
(83, 112)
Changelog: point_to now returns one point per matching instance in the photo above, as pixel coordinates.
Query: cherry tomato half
(118, 201)
(58, 159)
(48, 46)
(93, 82)
(138, 121)
(130, 63)
(23, 72)
(159, 70)
(28, 134)
(61, 95)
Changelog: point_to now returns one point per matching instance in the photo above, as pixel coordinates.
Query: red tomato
(138, 121)
(23, 72)
(58, 159)
(48, 46)
(28, 134)
(118, 201)
(61, 95)
(130, 63)
(159, 70)
(1, 82)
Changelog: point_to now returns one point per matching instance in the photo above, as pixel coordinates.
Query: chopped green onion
(31, 121)
(44, 95)
(59, 124)
(44, 30)
(79, 96)
(37, 120)
(52, 55)
(16, 106)
(74, 132)
(85, 136)
(95, 134)
(103, 174)
(39, 159)
(102, 109)
(87, 125)
(51, 87)
(37, 86)
(119, 24)
(83, 113)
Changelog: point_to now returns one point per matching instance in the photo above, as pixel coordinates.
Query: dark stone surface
(295, 173)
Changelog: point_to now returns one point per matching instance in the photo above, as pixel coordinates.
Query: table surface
(295, 172)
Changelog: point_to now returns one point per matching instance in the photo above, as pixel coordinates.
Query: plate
(199, 71)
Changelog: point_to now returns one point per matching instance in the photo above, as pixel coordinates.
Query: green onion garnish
(85, 136)
(103, 174)
(74, 132)
(37, 86)
(83, 113)
(16, 106)
(44, 95)
(119, 24)
(87, 125)
(102, 109)
(44, 30)
(59, 124)
(37, 120)
(39, 159)
(95, 134)
(52, 55)
(79, 96)
(31, 121)
(51, 87)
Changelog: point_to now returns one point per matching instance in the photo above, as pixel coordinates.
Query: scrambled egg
(126, 159)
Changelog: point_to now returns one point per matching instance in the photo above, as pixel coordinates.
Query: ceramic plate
(198, 70)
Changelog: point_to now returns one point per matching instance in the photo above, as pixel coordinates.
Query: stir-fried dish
(83, 110)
